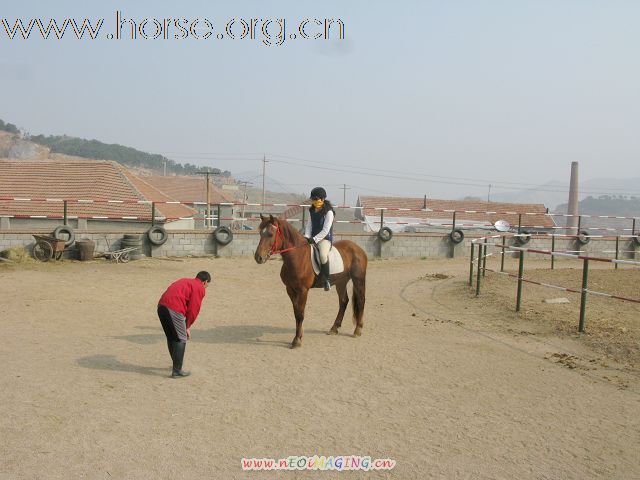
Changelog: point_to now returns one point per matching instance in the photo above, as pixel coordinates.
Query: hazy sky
(492, 91)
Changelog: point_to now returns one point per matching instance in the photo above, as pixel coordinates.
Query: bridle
(274, 250)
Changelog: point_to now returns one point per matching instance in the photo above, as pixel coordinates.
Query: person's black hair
(204, 276)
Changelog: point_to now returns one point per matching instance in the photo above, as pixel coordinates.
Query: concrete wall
(201, 243)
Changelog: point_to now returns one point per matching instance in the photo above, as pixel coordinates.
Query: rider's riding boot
(324, 274)
(178, 357)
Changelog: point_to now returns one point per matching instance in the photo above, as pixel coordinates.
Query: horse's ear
(261, 217)
(271, 218)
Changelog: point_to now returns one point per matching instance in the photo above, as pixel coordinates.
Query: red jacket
(184, 296)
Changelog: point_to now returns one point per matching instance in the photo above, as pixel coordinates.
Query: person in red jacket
(178, 309)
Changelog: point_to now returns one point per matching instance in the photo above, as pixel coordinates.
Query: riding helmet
(318, 192)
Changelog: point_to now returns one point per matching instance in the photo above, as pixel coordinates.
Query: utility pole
(244, 198)
(264, 167)
(344, 189)
(489, 194)
(164, 168)
(207, 220)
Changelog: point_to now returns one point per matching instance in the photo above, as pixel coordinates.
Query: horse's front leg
(299, 301)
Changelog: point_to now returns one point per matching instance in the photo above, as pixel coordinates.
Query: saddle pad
(336, 265)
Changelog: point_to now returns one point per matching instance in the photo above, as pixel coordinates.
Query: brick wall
(429, 245)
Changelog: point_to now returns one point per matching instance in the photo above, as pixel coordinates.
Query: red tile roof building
(79, 180)
(187, 188)
(434, 212)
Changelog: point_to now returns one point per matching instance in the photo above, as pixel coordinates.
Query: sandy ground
(446, 385)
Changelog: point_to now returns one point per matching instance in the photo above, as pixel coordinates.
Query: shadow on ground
(111, 363)
(226, 334)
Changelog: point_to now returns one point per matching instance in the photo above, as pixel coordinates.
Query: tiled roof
(170, 211)
(67, 179)
(188, 189)
(73, 178)
(416, 205)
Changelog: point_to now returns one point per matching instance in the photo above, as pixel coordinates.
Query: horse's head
(268, 235)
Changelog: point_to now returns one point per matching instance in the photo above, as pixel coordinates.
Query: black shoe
(324, 274)
(178, 357)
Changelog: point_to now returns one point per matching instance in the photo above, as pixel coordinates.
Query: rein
(274, 250)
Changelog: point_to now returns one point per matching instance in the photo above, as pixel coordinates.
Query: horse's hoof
(297, 343)
(333, 331)
(357, 332)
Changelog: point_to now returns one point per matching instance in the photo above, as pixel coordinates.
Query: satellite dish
(502, 226)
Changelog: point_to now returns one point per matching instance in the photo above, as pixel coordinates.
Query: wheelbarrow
(120, 255)
(47, 248)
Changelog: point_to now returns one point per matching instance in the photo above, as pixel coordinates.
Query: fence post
(484, 259)
(617, 250)
(304, 218)
(65, 211)
(471, 265)
(579, 224)
(633, 232)
(454, 221)
(519, 223)
(218, 219)
(381, 218)
(553, 249)
(583, 297)
(520, 275)
(503, 253)
(153, 213)
(479, 270)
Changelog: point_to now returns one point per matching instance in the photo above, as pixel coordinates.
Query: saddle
(336, 265)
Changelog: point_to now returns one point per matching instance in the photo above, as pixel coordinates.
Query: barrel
(133, 241)
(86, 248)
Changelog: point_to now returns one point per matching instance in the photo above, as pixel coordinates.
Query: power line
(427, 180)
(446, 180)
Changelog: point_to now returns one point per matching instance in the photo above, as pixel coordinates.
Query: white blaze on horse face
(265, 232)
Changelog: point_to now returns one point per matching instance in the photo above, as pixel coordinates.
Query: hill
(15, 145)
(97, 150)
(554, 194)
(620, 206)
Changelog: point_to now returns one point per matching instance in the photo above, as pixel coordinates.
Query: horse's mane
(290, 234)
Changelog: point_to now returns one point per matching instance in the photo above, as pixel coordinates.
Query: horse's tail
(359, 288)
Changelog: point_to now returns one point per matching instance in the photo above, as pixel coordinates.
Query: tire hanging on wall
(583, 237)
(523, 238)
(153, 231)
(385, 234)
(456, 236)
(65, 229)
(223, 235)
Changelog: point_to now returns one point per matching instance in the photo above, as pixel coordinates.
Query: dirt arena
(447, 385)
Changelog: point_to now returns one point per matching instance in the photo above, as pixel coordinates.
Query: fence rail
(522, 226)
(479, 264)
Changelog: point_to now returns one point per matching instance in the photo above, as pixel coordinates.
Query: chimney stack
(572, 222)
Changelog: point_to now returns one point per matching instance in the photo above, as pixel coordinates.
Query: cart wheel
(124, 258)
(43, 251)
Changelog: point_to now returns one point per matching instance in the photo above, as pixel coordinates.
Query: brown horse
(278, 236)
